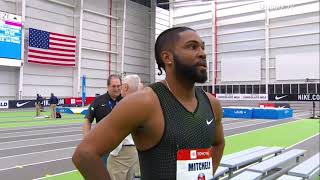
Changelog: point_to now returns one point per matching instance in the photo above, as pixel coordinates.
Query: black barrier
(294, 97)
(21, 103)
(313, 110)
(13, 104)
(282, 105)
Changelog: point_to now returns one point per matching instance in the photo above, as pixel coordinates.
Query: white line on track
(38, 131)
(248, 125)
(35, 134)
(35, 153)
(58, 174)
(44, 127)
(242, 121)
(31, 164)
(46, 138)
(264, 128)
(40, 144)
(303, 141)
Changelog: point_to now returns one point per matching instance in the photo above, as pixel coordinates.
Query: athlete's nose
(202, 54)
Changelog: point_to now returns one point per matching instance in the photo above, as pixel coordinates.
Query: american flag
(51, 48)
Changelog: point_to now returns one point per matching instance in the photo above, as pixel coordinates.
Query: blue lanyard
(111, 104)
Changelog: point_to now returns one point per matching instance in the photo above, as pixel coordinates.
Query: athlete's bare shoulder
(146, 96)
(142, 102)
(216, 106)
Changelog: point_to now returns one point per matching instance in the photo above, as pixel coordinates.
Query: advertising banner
(30, 103)
(4, 104)
(294, 97)
(243, 97)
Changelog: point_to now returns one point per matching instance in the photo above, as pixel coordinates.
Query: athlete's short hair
(166, 41)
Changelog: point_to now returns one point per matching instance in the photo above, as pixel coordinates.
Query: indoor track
(34, 152)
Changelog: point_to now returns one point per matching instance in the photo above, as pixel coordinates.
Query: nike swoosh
(209, 122)
(19, 105)
(281, 97)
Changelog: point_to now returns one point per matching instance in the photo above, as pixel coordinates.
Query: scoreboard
(10, 39)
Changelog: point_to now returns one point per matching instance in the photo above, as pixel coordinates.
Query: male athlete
(176, 127)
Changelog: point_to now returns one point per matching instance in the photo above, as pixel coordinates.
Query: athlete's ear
(167, 57)
(126, 87)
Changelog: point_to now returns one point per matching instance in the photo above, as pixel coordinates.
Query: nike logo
(19, 105)
(281, 97)
(209, 122)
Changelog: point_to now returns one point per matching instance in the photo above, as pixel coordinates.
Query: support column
(21, 9)
(267, 45)
(78, 19)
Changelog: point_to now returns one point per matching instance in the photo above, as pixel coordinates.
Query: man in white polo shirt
(123, 160)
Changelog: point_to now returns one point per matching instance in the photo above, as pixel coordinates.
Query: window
(210, 89)
(204, 88)
(286, 89)
(143, 2)
(235, 89)
(242, 89)
(262, 89)
(278, 89)
(256, 89)
(294, 89)
(217, 89)
(311, 88)
(271, 88)
(222, 89)
(318, 88)
(163, 6)
(229, 89)
(249, 89)
(302, 88)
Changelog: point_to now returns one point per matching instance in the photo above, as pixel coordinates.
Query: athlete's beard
(189, 72)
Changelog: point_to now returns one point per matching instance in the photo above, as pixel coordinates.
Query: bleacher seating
(306, 169)
(277, 161)
(220, 171)
(288, 177)
(248, 175)
(246, 159)
(241, 153)
(272, 163)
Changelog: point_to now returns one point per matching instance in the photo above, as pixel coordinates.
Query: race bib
(194, 164)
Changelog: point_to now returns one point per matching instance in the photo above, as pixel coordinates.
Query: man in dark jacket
(103, 105)
(53, 101)
(38, 104)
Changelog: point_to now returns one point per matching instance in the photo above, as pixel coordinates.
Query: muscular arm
(86, 127)
(218, 146)
(129, 114)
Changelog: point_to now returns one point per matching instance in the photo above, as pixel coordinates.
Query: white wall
(162, 22)
(95, 60)
(8, 6)
(8, 82)
(44, 79)
(137, 50)
(89, 20)
(241, 37)
(294, 38)
(199, 16)
(293, 30)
